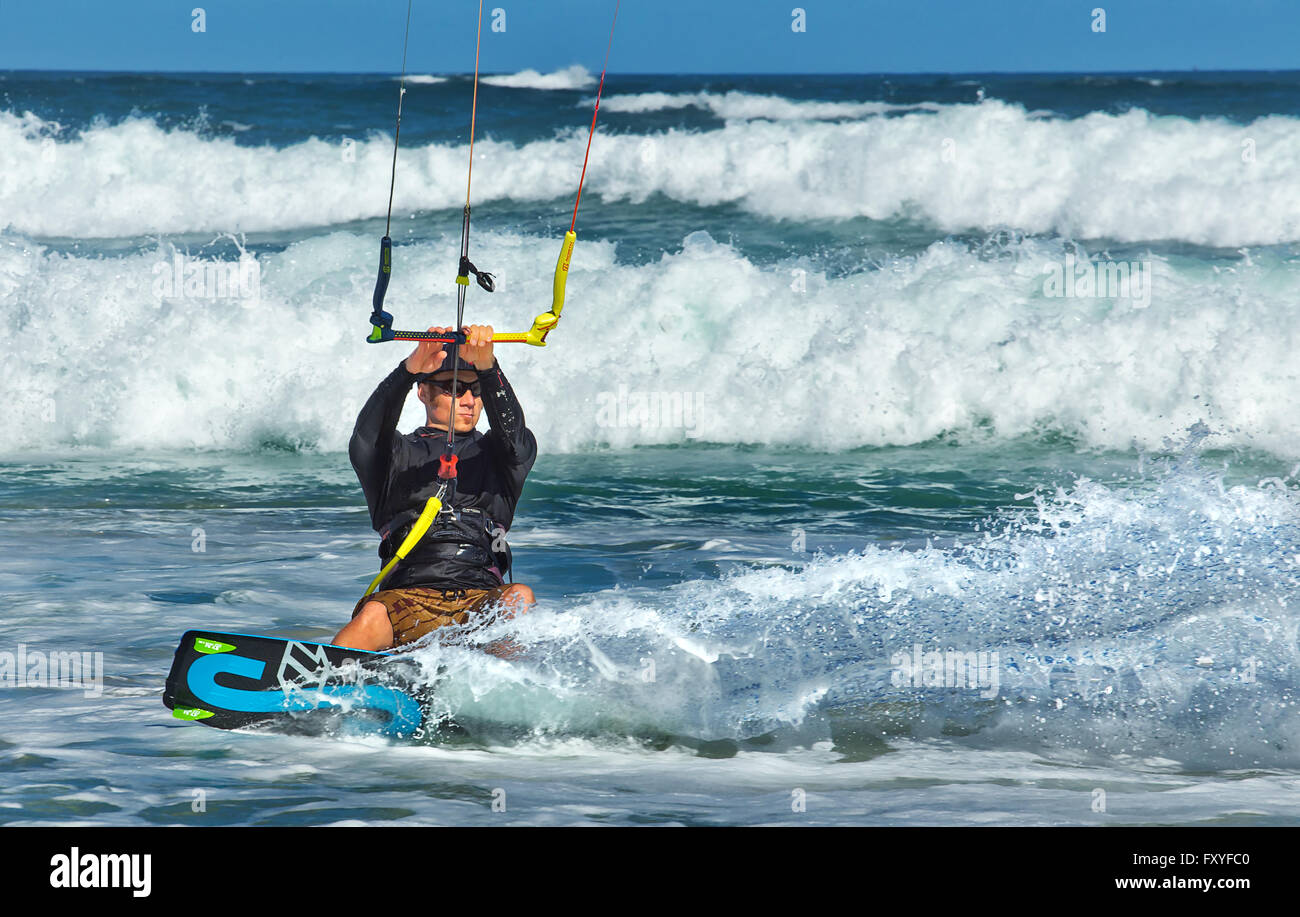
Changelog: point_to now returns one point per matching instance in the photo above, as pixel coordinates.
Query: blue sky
(653, 36)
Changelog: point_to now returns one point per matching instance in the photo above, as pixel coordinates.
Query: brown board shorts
(416, 610)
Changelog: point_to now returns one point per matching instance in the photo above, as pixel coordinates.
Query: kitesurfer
(456, 572)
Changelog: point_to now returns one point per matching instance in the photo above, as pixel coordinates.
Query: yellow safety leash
(430, 513)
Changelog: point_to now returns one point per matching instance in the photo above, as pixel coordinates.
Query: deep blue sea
(913, 449)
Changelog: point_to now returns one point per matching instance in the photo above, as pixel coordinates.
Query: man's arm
(373, 437)
(505, 414)
(514, 441)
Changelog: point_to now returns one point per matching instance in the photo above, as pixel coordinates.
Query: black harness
(465, 547)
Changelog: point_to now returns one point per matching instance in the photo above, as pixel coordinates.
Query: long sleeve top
(399, 472)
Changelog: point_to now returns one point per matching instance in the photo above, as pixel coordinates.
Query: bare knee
(519, 594)
(369, 630)
(518, 598)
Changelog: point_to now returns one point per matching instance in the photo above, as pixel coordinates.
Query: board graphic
(234, 680)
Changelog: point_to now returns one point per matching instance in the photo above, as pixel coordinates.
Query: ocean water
(841, 515)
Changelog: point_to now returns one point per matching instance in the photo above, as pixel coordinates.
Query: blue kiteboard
(234, 680)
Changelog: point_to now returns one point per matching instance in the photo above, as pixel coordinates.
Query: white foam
(1126, 177)
(947, 342)
(1099, 605)
(575, 77)
(742, 106)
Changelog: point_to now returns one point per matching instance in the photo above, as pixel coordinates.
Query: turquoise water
(885, 444)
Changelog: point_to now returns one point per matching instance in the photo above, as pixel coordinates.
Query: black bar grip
(385, 271)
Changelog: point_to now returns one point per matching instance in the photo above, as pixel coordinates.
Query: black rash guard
(400, 472)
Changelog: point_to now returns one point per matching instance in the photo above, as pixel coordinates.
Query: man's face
(436, 396)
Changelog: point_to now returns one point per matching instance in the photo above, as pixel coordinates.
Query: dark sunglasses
(476, 389)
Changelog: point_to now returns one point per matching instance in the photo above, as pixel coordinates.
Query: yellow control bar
(543, 324)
